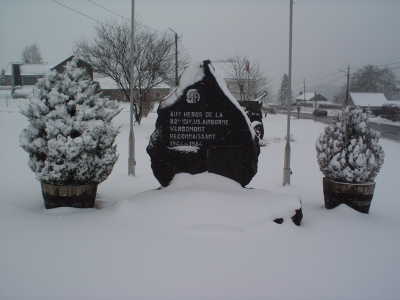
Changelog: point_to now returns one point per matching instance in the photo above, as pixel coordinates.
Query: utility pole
(348, 85)
(131, 159)
(286, 169)
(345, 105)
(176, 56)
(304, 89)
(315, 107)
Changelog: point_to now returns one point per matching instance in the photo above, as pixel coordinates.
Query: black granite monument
(201, 127)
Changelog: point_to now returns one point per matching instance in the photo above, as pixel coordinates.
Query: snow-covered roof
(368, 99)
(161, 86)
(34, 69)
(106, 83)
(310, 96)
(307, 96)
(393, 102)
(29, 69)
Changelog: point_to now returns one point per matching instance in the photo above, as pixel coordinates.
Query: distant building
(18, 73)
(111, 90)
(310, 98)
(81, 64)
(372, 101)
(24, 74)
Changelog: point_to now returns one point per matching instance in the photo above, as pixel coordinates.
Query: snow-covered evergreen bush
(70, 137)
(349, 150)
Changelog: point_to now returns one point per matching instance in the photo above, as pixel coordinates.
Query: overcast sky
(327, 35)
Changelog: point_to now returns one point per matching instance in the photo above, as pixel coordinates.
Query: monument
(201, 127)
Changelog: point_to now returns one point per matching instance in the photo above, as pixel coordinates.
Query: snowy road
(387, 131)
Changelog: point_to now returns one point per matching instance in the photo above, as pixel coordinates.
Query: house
(111, 90)
(372, 101)
(310, 98)
(81, 64)
(19, 74)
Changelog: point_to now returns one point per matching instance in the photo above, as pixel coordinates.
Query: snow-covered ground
(380, 120)
(204, 237)
(334, 112)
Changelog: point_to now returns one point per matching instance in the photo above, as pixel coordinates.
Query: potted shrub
(350, 157)
(70, 137)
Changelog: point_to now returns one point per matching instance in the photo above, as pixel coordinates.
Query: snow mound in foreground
(209, 202)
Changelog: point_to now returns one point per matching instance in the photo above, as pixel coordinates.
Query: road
(387, 131)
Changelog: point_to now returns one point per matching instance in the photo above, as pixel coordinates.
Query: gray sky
(327, 35)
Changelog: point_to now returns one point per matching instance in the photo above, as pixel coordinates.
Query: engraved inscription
(193, 128)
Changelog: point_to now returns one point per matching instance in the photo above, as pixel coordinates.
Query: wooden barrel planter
(357, 196)
(80, 196)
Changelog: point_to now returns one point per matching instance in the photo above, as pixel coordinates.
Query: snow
(203, 237)
(34, 69)
(368, 99)
(194, 72)
(185, 148)
(191, 74)
(106, 83)
(380, 120)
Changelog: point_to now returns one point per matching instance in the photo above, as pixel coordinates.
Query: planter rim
(351, 183)
(68, 184)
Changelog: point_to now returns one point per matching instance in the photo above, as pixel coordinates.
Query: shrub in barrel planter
(70, 137)
(350, 157)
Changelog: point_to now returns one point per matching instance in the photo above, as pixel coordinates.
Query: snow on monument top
(195, 72)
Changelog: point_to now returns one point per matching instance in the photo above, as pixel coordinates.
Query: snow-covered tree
(3, 77)
(70, 137)
(283, 93)
(349, 150)
(31, 54)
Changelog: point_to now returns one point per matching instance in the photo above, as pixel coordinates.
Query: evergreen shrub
(70, 137)
(349, 150)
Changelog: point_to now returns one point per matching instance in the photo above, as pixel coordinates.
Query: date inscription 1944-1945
(191, 128)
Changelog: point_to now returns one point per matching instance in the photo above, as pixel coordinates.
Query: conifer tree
(70, 137)
(3, 77)
(283, 93)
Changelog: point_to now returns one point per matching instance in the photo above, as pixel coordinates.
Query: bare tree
(109, 55)
(31, 54)
(249, 81)
(370, 79)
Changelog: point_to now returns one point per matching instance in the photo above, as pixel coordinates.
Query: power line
(180, 43)
(318, 79)
(140, 25)
(319, 85)
(378, 66)
(80, 13)
(109, 10)
(119, 16)
(390, 64)
(350, 68)
(127, 18)
(74, 10)
(333, 80)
